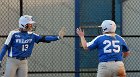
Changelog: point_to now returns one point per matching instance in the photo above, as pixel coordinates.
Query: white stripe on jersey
(90, 43)
(10, 36)
(35, 34)
(11, 53)
(30, 32)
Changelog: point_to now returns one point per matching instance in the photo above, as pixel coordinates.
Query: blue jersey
(109, 48)
(20, 44)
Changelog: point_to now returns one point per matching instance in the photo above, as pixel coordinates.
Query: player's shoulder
(33, 33)
(99, 37)
(14, 31)
(120, 37)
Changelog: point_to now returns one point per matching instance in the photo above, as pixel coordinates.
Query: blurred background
(66, 58)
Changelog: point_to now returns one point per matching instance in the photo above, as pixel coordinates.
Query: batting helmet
(108, 26)
(24, 20)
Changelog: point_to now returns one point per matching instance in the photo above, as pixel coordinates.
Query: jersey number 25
(114, 44)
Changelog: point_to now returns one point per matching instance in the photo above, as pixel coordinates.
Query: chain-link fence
(59, 58)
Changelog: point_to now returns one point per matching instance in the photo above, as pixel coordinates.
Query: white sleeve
(9, 38)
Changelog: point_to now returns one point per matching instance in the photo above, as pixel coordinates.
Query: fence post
(113, 10)
(77, 24)
(21, 7)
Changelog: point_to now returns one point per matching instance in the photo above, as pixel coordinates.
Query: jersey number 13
(25, 47)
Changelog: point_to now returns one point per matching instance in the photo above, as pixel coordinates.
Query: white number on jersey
(109, 44)
(25, 47)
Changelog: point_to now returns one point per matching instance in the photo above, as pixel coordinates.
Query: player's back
(109, 47)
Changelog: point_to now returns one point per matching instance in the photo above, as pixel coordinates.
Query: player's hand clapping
(80, 32)
(62, 32)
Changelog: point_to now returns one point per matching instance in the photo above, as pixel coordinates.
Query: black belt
(19, 58)
(111, 61)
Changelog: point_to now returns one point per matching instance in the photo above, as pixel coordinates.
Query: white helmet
(108, 26)
(24, 20)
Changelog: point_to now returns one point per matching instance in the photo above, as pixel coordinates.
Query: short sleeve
(93, 44)
(124, 46)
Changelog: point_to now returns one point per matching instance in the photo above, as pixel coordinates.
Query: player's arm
(6, 45)
(125, 54)
(48, 39)
(83, 40)
(3, 51)
(125, 49)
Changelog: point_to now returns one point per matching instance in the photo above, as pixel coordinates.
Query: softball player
(111, 50)
(19, 44)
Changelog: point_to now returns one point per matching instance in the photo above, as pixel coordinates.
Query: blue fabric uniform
(20, 44)
(109, 48)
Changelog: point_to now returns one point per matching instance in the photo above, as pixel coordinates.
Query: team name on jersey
(23, 41)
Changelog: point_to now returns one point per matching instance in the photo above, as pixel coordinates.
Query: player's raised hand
(62, 32)
(80, 32)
